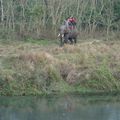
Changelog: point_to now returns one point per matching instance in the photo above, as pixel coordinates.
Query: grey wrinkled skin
(66, 35)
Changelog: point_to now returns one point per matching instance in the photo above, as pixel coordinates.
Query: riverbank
(42, 67)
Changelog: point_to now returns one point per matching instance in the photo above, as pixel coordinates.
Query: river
(65, 107)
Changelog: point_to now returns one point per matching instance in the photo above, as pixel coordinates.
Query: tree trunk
(2, 14)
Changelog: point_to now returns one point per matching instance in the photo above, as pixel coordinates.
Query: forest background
(40, 19)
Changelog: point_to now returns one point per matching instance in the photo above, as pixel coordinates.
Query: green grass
(43, 42)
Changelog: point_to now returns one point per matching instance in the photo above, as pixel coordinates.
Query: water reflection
(58, 108)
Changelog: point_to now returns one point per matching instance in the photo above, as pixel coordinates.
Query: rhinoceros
(67, 35)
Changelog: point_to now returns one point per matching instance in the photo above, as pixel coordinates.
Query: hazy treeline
(41, 18)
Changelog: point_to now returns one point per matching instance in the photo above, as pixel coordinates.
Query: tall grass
(29, 69)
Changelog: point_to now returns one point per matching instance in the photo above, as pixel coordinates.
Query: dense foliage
(35, 18)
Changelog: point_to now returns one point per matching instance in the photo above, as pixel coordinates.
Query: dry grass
(94, 65)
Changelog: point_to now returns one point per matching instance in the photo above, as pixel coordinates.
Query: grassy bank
(42, 67)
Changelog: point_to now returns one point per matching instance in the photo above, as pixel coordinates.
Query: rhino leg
(75, 40)
(71, 40)
(66, 38)
(61, 36)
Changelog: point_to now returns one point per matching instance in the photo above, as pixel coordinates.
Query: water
(60, 108)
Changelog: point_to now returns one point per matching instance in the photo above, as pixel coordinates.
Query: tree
(2, 11)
